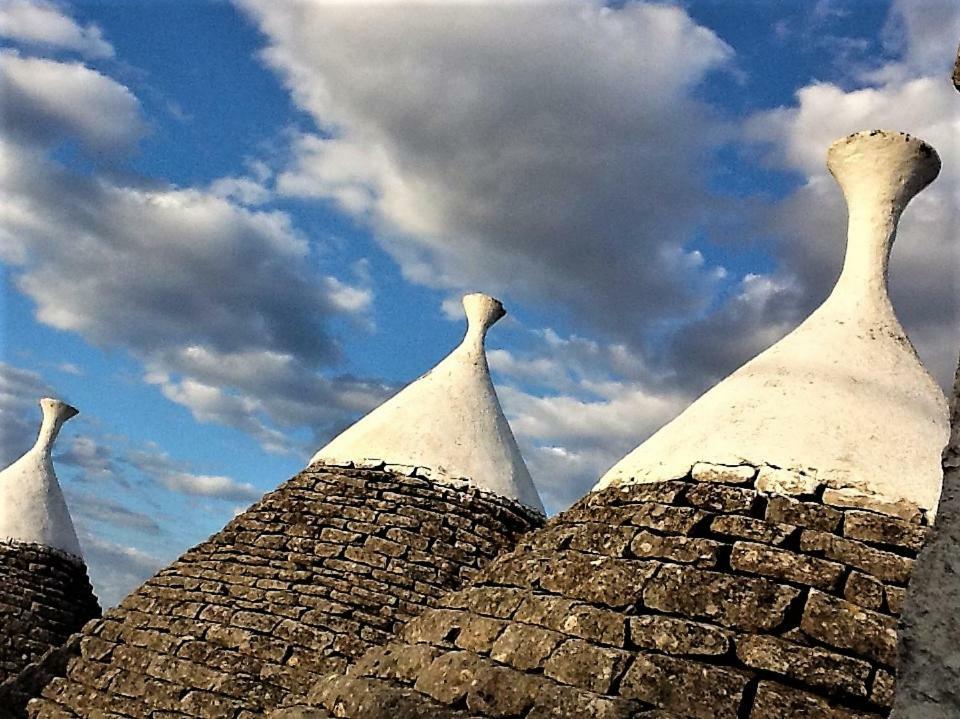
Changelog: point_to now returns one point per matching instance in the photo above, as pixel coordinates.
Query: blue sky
(229, 229)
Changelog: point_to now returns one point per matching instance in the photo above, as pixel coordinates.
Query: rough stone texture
(328, 565)
(45, 596)
(956, 72)
(690, 598)
(929, 654)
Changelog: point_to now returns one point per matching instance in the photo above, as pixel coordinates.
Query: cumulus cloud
(188, 280)
(203, 485)
(251, 391)
(45, 101)
(37, 22)
(541, 149)
(760, 311)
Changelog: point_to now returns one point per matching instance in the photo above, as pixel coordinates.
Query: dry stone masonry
(702, 597)
(45, 596)
(319, 570)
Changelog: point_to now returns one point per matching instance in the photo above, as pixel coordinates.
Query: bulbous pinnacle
(482, 312)
(879, 166)
(58, 409)
(55, 413)
(879, 173)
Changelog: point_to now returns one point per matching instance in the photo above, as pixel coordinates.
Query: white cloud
(46, 101)
(255, 390)
(926, 32)
(242, 190)
(185, 279)
(37, 22)
(550, 150)
(70, 368)
(216, 487)
(760, 311)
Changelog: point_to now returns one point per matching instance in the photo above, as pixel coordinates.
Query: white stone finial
(32, 507)
(449, 422)
(482, 312)
(879, 173)
(843, 398)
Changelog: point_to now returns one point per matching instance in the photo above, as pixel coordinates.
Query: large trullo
(45, 594)
(401, 508)
(747, 562)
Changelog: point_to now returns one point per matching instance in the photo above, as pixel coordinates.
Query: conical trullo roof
(415, 499)
(45, 594)
(448, 422)
(732, 588)
(32, 507)
(843, 399)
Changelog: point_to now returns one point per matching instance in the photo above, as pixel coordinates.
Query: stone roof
(685, 599)
(843, 399)
(32, 507)
(449, 422)
(326, 566)
(45, 596)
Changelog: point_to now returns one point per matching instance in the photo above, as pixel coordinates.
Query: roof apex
(32, 507)
(448, 421)
(843, 397)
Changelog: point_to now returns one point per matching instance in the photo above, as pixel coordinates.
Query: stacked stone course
(702, 598)
(45, 596)
(315, 573)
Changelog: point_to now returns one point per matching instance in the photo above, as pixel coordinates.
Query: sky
(229, 229)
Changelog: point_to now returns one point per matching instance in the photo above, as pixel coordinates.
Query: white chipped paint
(448, 422)
(844, 397)
(32, 508)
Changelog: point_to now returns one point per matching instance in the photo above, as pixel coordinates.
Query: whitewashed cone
(32, 507)
(843, 398)
(449, 421)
